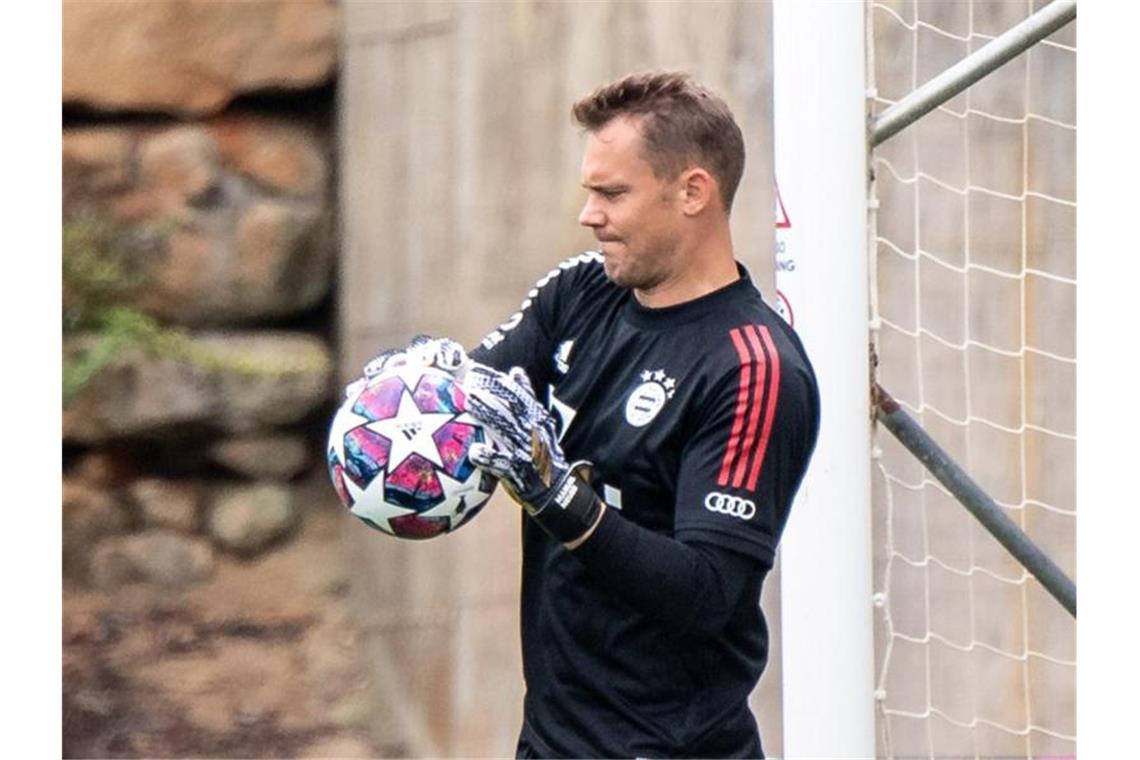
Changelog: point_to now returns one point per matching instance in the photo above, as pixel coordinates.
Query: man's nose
(591, 215)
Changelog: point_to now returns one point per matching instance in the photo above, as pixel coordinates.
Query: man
(654, 418)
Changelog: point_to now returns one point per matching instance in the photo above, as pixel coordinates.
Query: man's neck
(705, 268)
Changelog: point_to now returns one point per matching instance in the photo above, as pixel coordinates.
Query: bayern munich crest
(648, 399)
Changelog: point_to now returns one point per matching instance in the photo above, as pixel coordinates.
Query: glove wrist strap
(571, 509)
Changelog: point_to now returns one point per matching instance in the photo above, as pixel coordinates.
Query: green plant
(101, 268)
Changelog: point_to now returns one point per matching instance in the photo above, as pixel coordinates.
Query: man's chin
(612, 270)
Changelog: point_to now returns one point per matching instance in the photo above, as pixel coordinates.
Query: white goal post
(821, 165)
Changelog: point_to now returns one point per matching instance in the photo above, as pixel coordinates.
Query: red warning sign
(784, 308)
(782, 220)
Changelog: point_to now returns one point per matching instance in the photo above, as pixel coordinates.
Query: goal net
(974, 305)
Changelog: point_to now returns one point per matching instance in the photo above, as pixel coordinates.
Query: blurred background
(258, 196)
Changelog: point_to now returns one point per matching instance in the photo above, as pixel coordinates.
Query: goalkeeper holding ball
(654, 419)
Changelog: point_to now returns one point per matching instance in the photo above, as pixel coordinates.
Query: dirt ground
(262, 660)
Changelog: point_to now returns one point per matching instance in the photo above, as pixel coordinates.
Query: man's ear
(697, 190)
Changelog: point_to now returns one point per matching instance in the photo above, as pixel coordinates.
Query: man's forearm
(693, 588)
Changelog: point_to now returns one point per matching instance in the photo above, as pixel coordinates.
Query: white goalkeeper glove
(442, 353)
(523, 453)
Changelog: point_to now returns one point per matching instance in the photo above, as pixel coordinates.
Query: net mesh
(974, 316)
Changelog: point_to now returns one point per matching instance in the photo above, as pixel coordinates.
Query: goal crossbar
(972, 68)
(919, 443)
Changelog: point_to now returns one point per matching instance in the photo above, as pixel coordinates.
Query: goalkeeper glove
(523, 453)
(442, 353)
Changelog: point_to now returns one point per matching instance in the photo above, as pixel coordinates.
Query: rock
(160, 557)
(179, 165)
(275, 261)
(278, 155)
(103, 468)
(247, 518)
(96, 160)
(192, 58)
(89, 515)
(249, 260)
(273, 457)
(180, 281)
(238, 382)
(267, 379)
(167, 503)
(274, 271)
(231, 218)
(137, 394)
(80, 627)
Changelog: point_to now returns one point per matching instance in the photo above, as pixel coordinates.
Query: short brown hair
(682, 124)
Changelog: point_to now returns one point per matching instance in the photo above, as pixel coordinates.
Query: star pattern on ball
(375, 509)
(342, 423)
(388, 445)
(458, 489)
(410, 431)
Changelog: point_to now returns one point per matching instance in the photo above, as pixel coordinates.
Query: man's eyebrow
(605, 186)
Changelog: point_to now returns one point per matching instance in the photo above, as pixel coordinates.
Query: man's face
(635, 216)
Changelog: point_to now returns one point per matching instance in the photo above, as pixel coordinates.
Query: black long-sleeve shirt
(699, 420)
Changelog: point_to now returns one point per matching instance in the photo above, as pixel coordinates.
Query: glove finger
(510, 470)
(500, 424)
(483, 382)
(517, 400)
(443, 353)
(519, 376)
(508, 407)
(422, 354)
(518, 382)
(481, 454)
(468, 366)
(421, 349)
(450, 355)
(551, 440)
(478, 375)
(502, 404)
(393, 357)
(486, 457)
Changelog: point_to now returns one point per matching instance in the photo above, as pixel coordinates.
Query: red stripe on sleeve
(741, 407)
(770, 410)
(757, 397)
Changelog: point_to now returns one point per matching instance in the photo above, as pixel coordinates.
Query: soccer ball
(397, 454)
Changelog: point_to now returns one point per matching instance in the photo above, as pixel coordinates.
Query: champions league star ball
(397, 454)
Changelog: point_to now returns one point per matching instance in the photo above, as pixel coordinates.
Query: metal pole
(972, 68)
(911, 435)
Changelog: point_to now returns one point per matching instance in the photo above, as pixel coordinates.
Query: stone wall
(199, 137)
(236, 209)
